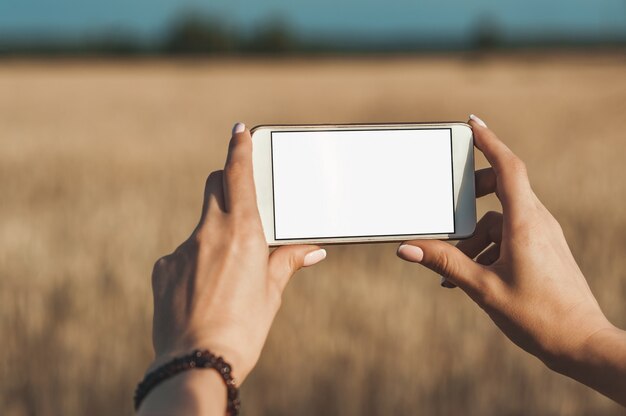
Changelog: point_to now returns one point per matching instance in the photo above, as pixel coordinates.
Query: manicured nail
(411, 253)
(314, 257)
(446, 284)
(477, 120)
(239, 128)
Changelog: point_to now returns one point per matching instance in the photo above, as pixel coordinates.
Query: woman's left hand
(221, 288)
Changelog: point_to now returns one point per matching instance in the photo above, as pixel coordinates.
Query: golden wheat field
(102, 167)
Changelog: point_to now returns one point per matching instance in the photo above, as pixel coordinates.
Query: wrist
(600, 363)
(599, 346)
(190, 392)
(232, 357)
(591, 348)
(190, 388)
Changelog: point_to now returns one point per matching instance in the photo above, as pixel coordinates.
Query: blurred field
(101, 172)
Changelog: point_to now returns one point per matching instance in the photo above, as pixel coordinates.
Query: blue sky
(374, 19)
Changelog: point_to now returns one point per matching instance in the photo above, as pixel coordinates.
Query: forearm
(601, 364)
(193, 392)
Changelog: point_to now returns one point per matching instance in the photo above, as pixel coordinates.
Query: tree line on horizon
(197, 34)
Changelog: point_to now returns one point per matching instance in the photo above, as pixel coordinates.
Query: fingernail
(477, 120)
(446, 284)
(411, 253)
(239, 128)
(314, 257)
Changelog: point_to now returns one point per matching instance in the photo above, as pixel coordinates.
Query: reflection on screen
(350, 183)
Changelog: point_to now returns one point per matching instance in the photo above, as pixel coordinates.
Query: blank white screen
(362, 183)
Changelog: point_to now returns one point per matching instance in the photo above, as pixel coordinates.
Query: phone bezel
(463, 168)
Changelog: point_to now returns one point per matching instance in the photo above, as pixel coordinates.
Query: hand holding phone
(220, 289)
(519, 269)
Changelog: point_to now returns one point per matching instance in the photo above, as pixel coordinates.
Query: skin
(222, 293)
(519, 269)
(219, 290)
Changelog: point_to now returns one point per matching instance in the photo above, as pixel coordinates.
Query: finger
(512, 180)
(490, 256)
(239, 191)
(286, 260)
(213, 200)
(445, 260)
(488, 230)
(485, 182)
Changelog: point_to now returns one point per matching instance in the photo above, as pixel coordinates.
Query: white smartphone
(330, 184)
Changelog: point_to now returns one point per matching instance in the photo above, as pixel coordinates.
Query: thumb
(444, 259)
(286, 260)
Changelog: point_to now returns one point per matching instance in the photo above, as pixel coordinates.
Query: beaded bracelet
(197, 359)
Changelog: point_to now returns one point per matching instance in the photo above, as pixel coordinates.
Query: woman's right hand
(520, 270)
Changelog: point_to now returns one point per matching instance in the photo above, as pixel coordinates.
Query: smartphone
(330, 184)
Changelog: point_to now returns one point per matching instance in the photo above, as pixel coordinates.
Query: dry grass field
(102, 167)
